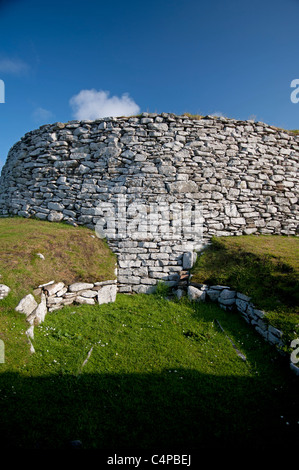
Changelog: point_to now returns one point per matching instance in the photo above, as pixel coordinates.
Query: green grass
(144, 373)
(266, 268)
(160, 375)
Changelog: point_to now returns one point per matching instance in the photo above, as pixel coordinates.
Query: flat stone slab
(107, 294)
(77, 286)
(54, 288)
(196, 294)
(26, 305)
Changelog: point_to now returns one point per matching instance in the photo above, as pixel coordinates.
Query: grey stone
(183, 187)
(243, 297)
(188, 260)
(213, 294)
(61, 292)
(53, 300)
(144, 289)
(241, 305)
(107, 294)
(55, 216)
(273, 339)
(229, 301)
(56, 206)
(294, 368)
(226, 294)
(4, 291)
(26, 305)
(78, 286)
(85, 300)
(196, 294)
(105, 283)
(179, 293)
(218, 287)
(39, 313)
(259, 313)
(88, 293)
(30, 332)
(262, 332)
(46, 284)
(274, 331)
(231, 210)
(54, 288)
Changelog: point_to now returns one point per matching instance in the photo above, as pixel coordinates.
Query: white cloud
(217, 114)
(42, 115)
(93, 104)
(13, 66)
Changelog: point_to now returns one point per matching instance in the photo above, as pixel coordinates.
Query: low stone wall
(59, 295)
(55, 295)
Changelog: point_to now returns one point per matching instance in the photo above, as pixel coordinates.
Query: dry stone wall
(191, 179)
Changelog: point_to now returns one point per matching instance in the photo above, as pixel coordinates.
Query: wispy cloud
(13, 66)
(42, 115)
(93, 104)
(217, 114)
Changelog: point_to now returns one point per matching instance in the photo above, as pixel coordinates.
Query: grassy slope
(71, 254)
(264, 267)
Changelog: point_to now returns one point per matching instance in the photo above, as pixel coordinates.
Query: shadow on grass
(180, 410)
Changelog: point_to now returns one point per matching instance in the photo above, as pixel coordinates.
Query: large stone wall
(241, 176)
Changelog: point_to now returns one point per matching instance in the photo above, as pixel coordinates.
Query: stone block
(85, 300)
(107, 294)
(241, 305)
(196, 294)
(188, 260)
(213, 294)
(26, 305)
(226, 294)
(78, 286)
(243, 297)
(54, 288)
(227, 302)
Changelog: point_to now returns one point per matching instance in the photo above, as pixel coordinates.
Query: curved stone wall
(157, 186)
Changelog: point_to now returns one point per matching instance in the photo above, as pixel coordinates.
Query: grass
(197, 117)
(71, 254)
(266, 268)
(145, 373)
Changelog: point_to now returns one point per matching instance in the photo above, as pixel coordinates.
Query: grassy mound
(71, 254)
(264, 267)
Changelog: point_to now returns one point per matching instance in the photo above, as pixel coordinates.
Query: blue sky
(61, 60)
